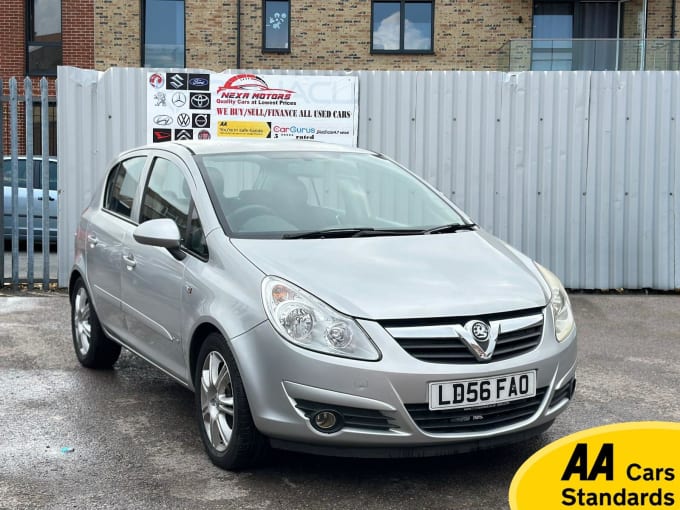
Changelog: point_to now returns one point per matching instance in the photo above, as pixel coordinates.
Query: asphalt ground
(136, 445)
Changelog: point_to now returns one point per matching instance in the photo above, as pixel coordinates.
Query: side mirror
(162, 233)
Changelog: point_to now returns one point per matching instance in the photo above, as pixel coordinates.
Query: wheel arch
(200, 334)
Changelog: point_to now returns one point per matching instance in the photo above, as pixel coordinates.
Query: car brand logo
(156, 80)
(476, 332)
(162, 120)
(177, 81)
(201, 120)
(250, 82)
(183, 119)
(480, 331)
(200, 101)
(184, 134)
(204, 135)
(162, 135)
(159, 99)
(199, 82)
(179, 99)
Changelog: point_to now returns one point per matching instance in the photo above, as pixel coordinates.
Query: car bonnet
(392, 277)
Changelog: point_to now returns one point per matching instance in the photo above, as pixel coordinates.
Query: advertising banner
(202, 106)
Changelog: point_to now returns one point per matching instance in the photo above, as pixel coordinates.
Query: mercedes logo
(200, 100)
(480, 331)
(179, 99)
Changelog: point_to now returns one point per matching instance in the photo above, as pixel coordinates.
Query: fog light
(327, 421)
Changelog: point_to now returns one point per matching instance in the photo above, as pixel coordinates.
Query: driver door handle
(129, 261)
(92, 239)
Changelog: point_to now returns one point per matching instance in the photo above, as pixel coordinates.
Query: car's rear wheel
(93, 348)
(226, 425)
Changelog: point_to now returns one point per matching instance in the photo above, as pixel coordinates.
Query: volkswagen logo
(198, 82)
(480, 331)
(200, 101)
(162, 120)
(183, 119)
(179, 99)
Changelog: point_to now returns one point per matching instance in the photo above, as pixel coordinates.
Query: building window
(163, 33)
(406, 26)
(43, 37)
(276, 26)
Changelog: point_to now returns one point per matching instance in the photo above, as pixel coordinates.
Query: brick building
(38, 35)
(35, 37)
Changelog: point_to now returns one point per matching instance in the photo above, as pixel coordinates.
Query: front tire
(93, 348)
(226, 425)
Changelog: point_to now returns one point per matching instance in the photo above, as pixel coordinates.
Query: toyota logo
(480, 331)
(200, 100)
(179, 99)
(162, 120)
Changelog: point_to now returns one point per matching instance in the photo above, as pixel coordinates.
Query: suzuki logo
(176, 81)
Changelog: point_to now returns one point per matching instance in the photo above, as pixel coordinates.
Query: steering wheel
(242, 214)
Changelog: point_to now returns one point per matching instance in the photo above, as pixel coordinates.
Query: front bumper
(386, 401)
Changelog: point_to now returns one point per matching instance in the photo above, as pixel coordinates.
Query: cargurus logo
(294, 130)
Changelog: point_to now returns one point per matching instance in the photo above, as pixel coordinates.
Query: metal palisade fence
(26, 202)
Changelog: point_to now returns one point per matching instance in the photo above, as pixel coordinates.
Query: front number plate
(482, 392)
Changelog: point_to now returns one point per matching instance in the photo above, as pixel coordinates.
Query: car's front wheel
(229, 435)
(93, 348)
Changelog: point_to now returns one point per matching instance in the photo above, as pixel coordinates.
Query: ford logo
(198, 82)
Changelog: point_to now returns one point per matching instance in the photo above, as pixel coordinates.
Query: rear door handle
(129, 261)
(51, 199)
(93, 240)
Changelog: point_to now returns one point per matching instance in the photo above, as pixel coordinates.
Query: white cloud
(386, 36)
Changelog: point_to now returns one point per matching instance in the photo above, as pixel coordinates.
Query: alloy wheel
(217, 401)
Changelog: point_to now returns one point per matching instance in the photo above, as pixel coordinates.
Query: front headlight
(559, 302)
(308, 322)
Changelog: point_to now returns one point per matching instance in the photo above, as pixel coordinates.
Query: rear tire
(226, 425)
(93, 348)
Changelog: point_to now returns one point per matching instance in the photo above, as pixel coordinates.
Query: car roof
(256, 145)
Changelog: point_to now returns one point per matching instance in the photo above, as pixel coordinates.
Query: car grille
(354, 417)
(451, 349)
(477, 419)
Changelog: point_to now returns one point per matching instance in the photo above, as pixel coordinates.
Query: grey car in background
(318, 298)
(22, 199)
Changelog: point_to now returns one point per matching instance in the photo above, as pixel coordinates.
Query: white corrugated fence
(575, 169)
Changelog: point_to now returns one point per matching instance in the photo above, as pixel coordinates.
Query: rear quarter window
(121, 186)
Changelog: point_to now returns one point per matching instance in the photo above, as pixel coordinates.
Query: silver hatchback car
(318, 298)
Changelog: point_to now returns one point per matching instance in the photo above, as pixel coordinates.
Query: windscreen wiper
(326, 233)
(330, 233)
(448, 229)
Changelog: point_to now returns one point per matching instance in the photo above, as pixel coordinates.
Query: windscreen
(276, 194)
